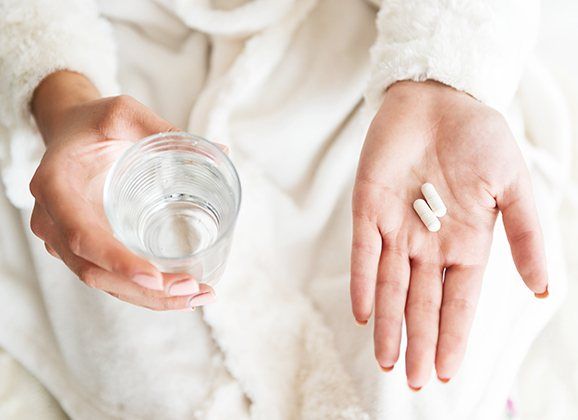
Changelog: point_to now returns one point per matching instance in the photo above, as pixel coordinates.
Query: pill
(433, 199)
(426, 215)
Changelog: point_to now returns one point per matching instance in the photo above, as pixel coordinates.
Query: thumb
(524, 234)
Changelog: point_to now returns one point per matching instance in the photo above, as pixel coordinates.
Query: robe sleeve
(476, 46)
(39, 37)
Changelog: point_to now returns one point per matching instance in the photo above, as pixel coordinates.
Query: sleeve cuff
(39, 38)
(478, 47)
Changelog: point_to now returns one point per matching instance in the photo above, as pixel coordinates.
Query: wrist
(426, 91)
(55, 95)
(423, 89)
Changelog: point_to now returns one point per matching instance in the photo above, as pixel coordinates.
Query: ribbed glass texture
(173, 199)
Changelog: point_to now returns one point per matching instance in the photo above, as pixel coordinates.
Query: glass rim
(149, 140)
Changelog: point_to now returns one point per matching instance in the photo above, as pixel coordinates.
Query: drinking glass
(173, 198)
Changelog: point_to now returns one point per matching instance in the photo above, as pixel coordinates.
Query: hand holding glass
(173, 198)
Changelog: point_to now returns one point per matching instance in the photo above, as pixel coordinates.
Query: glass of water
(173, 199)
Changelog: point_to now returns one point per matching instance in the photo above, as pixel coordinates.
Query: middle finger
(422, 320)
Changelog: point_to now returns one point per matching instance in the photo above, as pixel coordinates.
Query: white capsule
(434, 200)
(426, 215)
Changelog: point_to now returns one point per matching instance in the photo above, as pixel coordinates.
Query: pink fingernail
(202, 299)
(148, 281)
(184, 288)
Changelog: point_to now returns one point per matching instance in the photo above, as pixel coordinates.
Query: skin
(81, 131)
(429, 132)
(423, 132)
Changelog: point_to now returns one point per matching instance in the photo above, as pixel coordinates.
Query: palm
(398, 266)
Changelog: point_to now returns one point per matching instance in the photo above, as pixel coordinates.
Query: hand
(428, 132)
(81, 133)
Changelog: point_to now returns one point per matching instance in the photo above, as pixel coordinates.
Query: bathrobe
(290, 86)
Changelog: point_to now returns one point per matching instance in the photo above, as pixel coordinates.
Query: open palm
(427, 132)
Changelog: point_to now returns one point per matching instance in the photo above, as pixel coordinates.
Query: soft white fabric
(475, 46)
(554, 356)
(22, 396)
(38, 38)
(283, 88)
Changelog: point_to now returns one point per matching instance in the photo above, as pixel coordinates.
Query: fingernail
(414, 389)
(148, 281)
(387, 368)
(444, 380)
(202, 299)
(184, 288)
(361, 322)
(542, 295)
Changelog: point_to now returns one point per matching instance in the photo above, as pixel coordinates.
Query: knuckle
(392, 245)
(51, 251)
(149, 294)
(36, 226)
(461, 305)
(524, 236)
(121, 261)
(362, 246)
(166, 304)
(122, 102)
(392, 286)
(117, 108)
(453, 343)
(34, 187)
(44, 185)
(424, 305)
(74, 240)
(89, 276)
(160, 305)
(361, 284)
(363, 211)
(118, 266)
(366, 203)
(39, 182)
(421, 344)
(388, 326)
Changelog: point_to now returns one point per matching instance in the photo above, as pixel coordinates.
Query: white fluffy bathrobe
(282, 83)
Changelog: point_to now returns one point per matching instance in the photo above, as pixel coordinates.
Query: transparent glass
(173, 198)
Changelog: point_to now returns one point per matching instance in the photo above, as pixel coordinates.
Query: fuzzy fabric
(39, 38)
(477, 46)
(283, 87)
(22, 396)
